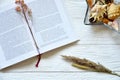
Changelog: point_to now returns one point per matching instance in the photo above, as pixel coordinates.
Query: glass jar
(103, 12)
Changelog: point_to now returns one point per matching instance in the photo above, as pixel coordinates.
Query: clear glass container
(116, 21)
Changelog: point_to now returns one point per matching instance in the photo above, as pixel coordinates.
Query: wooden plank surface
(57, 76)
(52, 61)
(97, 43)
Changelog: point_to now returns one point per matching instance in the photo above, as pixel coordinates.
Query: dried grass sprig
(86, 64)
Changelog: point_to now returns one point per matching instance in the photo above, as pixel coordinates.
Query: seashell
(97, 12)
(107, 1)
(113, 11)
(114, 25)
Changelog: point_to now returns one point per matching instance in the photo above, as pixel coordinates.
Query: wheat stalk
(88, 65)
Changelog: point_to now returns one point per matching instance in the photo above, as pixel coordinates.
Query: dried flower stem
(88, 65)
(26, 12)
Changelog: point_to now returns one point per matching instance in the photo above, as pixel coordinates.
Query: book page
(51, 26)
(15, 41)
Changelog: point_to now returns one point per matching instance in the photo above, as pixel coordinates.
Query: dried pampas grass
(88, 65)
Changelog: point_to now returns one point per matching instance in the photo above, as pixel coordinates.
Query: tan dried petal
(17, 1)
(18, 9)
(25, 7)
(30, 12)
(22, 1)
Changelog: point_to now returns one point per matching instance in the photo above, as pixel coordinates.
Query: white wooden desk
(97, 43)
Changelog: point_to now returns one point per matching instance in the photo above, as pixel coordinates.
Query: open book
(50, 26)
